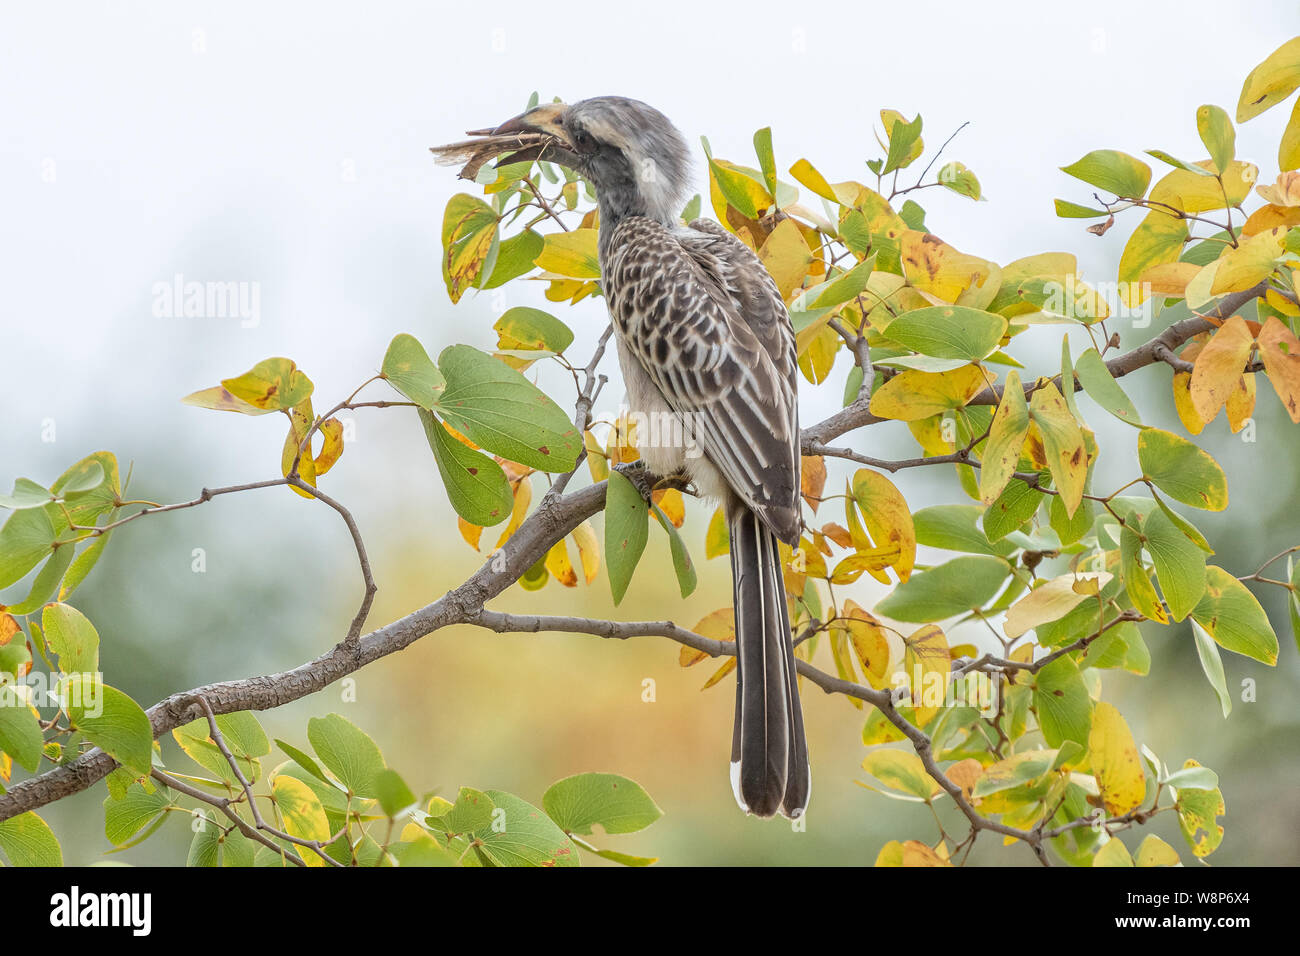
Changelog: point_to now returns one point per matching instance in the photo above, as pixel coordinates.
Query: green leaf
(955, 528)
(1218, 136)
(110, 720)
(20, 731)
(26, 494)
(962, 181)
(1212, 665)
(69, 634)
(471, 811)
(1232, 616)
(125, 817)
(1179, 563)
(626, 529)
(28, 841)
(476, 486)
(347, 751)
(393, 793)
(522, 328)
(766, 161)
(506, 414)
(1113, 171)
(1062, 703)
(46, 582)
(1011, 509)
(527, 836)
(902, 139)
(1174, 161)
(682, 563)
(949, 331)
(515, 257)
(1103, 389)
(194, 740)
(1181, 470)
(304, 760)
(956, 587)
(408, 368)
(26, 538)
(1193, 778)
(1198, 813)
(617, 804)
(1072, 210)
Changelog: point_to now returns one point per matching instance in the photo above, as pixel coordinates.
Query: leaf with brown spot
(1279, 349)
(812, 479)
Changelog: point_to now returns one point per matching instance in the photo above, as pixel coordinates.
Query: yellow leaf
(571, 254)
(869, 643)
(1192, 192)
(787, 257)
(302, 813)
(1006, 440)
(717, 540)
(1219, 367)
(727, 667)
(926, 663)
(1245, 266)
(1183, 403)
(914, 394)
(817, 359)
(559, 565)
(1157, 240)
(470, 532)
(672, 504)
(1154, 851)
(1271, 82)
(1050, 601)
(933, 266)
(1113, 757)
(331, 431)
(522, 493)
(597, 463)
(1067, 458)
(584, 536)
(901, 770)
(964, 773)
(812, 479)
(916, 853)
(887, 517)
(1241, 402)
(300, 422)
(719, 625)
(891, 854)
(1171, 278)
(1279, 350)
(1271, 217)
(846, 194)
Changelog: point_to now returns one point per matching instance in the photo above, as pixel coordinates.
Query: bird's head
(631, 153)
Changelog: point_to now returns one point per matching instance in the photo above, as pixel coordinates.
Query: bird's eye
(582, 139)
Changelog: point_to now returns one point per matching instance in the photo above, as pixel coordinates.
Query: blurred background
(286, 146)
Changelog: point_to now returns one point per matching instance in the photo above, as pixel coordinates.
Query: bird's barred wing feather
(703, 318)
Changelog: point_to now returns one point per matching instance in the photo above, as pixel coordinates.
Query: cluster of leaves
(338, 805)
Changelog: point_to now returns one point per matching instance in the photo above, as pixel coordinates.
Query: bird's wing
(700, 320)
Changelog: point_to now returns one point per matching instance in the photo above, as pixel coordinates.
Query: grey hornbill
(703, 335)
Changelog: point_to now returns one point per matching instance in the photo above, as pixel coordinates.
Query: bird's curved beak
(526, 137)
(543, 119)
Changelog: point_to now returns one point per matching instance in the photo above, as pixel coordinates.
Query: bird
(704, 340)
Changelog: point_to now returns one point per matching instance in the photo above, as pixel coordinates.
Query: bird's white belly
(667, 444)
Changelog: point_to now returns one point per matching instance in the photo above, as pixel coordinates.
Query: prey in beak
(536, 134)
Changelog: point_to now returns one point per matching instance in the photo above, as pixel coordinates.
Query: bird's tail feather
(769, 754)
